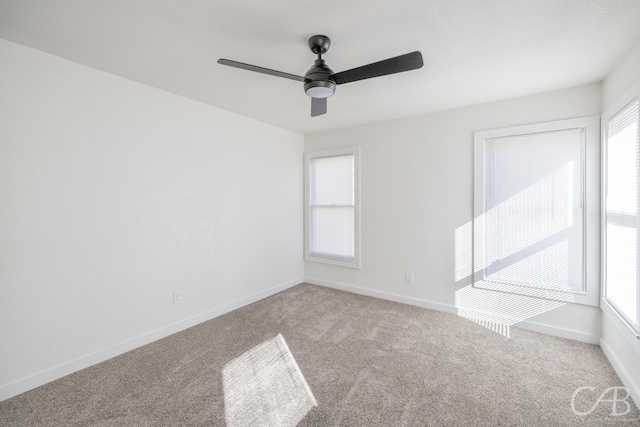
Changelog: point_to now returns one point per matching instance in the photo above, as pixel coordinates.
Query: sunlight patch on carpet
(497, 327)
(265, 387)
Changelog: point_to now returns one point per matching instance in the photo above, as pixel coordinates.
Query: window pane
(622, 221)
(622, 267)
(332, 231)
(533, 213)
(332, 180)
(622, 155)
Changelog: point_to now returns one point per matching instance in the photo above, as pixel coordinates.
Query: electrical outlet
(408, 278)
(177, 297)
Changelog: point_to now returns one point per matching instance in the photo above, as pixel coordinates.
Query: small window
(534, 218)
(332, 227)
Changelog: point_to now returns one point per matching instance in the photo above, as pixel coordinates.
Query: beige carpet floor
(368, 362)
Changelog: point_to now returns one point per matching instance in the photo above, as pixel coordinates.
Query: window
(621, 254)
(535, 222)
(332, 212)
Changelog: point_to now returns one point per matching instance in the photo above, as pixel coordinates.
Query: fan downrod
(319, 44)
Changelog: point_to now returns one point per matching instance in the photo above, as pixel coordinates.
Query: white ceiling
(474, 50)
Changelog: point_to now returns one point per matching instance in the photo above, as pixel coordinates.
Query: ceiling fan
(320, 81)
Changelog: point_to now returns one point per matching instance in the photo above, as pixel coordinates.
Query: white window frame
(618, 319)
(327, 259)
(591, 220)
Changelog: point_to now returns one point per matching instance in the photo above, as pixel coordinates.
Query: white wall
(616, 340)
(112, 195)
(622, 76)
(417, 208)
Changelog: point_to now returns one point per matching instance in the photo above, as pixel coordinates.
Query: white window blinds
(534, 210)
(332, 206)
(536, 206)
(622, 253)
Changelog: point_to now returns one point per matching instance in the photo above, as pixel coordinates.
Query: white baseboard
(527, 325)
(44, 377)
(627, 380)
(558, 332)
(382, 295)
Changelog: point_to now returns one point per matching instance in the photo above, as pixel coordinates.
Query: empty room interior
(288, 213)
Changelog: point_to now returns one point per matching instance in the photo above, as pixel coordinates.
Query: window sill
(621, 325)
(341, 262)
(535, 292)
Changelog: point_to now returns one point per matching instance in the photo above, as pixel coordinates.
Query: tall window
(622, 220)
(332, 207)
(530, 224)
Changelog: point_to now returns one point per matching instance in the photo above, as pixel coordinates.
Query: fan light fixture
(320, 89)
(319, 92)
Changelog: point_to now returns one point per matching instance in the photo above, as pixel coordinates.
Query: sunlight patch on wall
(463, 245)
(265, 387)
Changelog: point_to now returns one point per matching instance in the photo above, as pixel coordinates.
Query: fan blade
(318, 106)
(398, 64)
(257, 69)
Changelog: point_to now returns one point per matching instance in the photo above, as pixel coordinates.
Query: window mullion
(330, 206)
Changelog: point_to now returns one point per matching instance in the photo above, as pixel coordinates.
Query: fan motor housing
(318, 82)
(319, 44)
